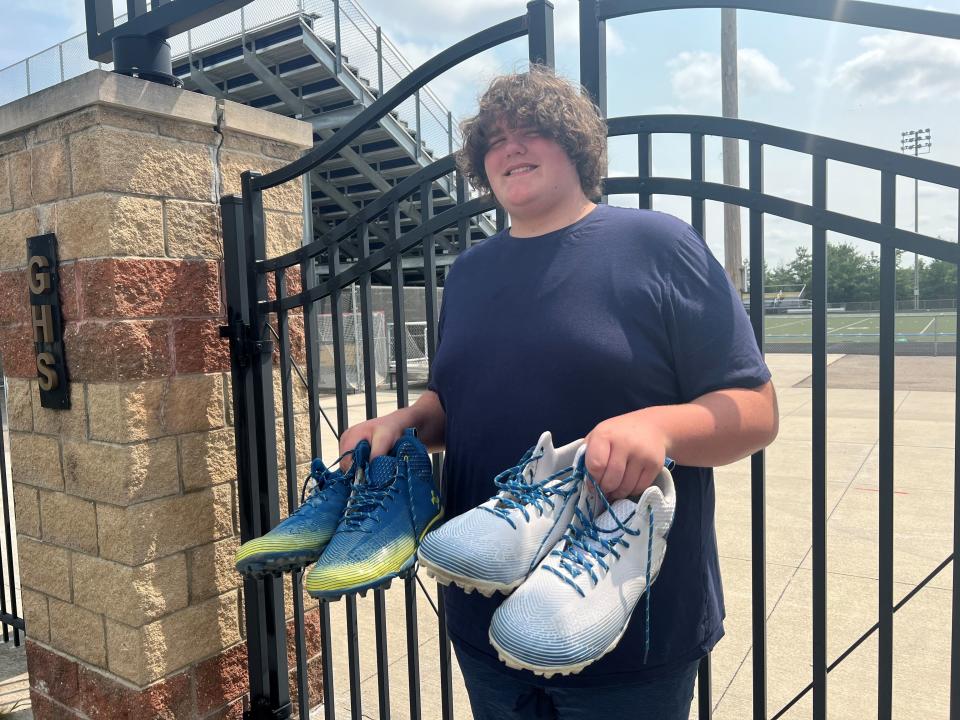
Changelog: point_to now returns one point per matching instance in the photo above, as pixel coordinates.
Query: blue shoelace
(522, 493)
(583, 548)
(324, 478)
(365, 499)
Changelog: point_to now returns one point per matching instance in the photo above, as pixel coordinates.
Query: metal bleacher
(323, 61)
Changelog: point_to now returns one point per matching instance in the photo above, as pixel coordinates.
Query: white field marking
(924, 331)
(851, 325)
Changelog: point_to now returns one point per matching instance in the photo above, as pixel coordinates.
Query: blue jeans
(498, 695)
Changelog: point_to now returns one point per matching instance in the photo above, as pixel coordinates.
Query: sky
(846, 82)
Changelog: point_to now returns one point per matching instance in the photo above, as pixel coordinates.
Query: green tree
(938, 280)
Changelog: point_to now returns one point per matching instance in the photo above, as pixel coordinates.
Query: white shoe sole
(551, 670)
(487, 589)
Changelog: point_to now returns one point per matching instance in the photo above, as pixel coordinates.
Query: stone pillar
(126, 504)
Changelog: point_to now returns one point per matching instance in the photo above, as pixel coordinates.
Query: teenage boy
(593, 321)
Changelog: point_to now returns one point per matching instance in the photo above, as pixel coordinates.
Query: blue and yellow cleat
(299, 539)
(389, 512)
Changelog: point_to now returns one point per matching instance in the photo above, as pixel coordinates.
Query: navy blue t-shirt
(622, 310)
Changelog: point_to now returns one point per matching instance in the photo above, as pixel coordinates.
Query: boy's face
(529, 172)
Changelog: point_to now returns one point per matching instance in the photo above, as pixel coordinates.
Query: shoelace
(524, 493)
(583, 548)
(366, 499)
(324, 478)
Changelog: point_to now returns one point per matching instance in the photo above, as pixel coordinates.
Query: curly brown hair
(554, 106)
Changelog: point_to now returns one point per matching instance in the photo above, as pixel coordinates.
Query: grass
(863, 327)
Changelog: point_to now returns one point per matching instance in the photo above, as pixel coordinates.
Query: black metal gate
(260, 318)
(11, 618)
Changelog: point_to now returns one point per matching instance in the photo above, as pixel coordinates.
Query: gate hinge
(261, 710)
(246, 345)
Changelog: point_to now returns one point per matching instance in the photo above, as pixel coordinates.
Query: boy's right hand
(382, 433)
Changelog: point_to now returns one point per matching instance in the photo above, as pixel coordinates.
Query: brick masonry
(126, 504)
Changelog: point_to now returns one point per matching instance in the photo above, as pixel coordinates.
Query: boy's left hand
(625, 454)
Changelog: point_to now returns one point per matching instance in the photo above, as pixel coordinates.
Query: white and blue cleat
(575, 608)
(496, 545)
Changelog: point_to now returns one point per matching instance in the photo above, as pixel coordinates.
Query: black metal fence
(11, 618)
(258, 316)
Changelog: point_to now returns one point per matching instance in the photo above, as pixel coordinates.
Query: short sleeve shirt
(624, 309)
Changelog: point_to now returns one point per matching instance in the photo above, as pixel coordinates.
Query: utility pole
(919, 142)
(732, 254)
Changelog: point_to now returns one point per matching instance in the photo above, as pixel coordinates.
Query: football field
(910, 327)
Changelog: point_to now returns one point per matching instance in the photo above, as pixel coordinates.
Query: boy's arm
(626, 452)
(426, 415)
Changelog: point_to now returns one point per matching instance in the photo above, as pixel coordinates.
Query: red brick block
(314, 686)
(43, 708)
(18, 351)
(118, 350)
(116, 288)
(221, 680)
(198, 347)
(233, 711)
(69, 302)
(51, 674)
(293, 284)
(102, 698)
(14, 297)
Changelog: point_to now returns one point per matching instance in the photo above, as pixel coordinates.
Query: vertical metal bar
(379, 61)
(888, 298)
(955, 616)
(704, 687)
(429, 273)
(383, 660)
(399, 315)
(135, 8)
(338, 58)
(758, 460)
(697, 203)
(463, 225)
(366, 330)
(417, 147)
(644, 168)
(593, 54)
(60, 49)
(501, 217)
(7, 573)
(413, 646)
(353, 658)
(540, 33)
(449, 132)
(311, 334)
(290, 458)
(255, 434)
(819, 438)
(343, 422)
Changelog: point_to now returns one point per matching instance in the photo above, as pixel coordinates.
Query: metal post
(450, 132)
(338, 60)
(732, 254)
(379, 60)
(60, 48)
(27, 63)
(593, 54)
(255, 437)
(540, 32)
(416, 149)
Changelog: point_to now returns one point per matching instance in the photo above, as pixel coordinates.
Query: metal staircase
(320, 63)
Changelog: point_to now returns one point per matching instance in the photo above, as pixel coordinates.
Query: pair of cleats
(574, 565)
(361, 527)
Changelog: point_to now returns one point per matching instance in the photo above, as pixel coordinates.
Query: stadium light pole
(919, 142)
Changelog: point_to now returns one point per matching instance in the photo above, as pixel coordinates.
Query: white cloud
(695, 75)
(895, 68)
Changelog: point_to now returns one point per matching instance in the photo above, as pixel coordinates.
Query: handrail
(455, 54)
(807, 143)
(853, 12)
(398, 192)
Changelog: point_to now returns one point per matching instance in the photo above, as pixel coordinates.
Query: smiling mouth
(522, 170)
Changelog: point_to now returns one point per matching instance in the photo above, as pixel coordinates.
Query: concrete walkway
(923, 522)
(923, 461)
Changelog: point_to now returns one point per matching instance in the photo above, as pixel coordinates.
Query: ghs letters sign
(46, 322)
